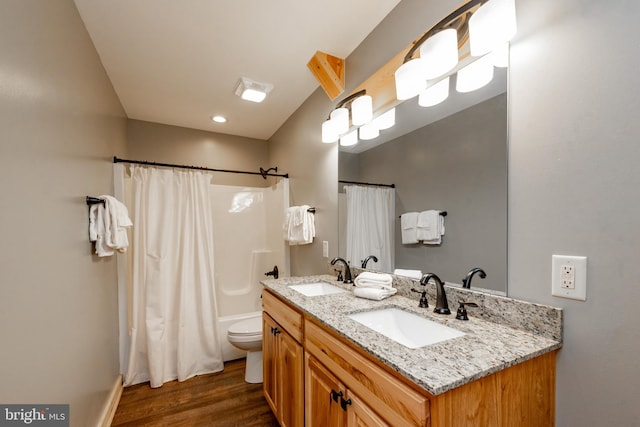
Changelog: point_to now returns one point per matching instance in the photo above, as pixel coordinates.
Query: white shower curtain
(370, 226)
(174, 332)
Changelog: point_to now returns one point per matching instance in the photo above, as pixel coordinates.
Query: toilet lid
(250, 326)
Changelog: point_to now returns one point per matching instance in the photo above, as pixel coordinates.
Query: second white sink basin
(405, 328)
(317, 289)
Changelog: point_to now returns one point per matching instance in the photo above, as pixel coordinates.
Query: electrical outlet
(568, 272)
(325, 249)
(569, 277)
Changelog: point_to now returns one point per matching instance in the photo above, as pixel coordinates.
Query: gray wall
(60, 123)
(177, 145)
(573, 183)
(457, 164)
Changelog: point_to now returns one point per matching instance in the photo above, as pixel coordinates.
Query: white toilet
(247, 335)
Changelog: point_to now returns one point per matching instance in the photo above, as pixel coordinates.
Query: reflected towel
(376, 294)
(414, 274)
(430, 227)
(408, 223)
(368, 279)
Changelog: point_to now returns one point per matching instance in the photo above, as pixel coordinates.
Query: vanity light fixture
(337, 126)
(486, 24)
(251, 90)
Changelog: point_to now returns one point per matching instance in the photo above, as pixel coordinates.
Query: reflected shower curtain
(370, 226)
(174, 332)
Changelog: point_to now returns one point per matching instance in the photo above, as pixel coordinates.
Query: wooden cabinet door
(360, 415)
(322, 391)
(269, 365)
(291, 376)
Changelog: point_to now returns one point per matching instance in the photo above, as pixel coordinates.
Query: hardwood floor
(220, 399)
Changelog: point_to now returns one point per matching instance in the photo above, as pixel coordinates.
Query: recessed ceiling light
(253, 91)
(219, 119)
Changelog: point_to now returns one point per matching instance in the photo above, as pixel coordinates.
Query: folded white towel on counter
(430, 227)
(299, 225)
(408, 223)
(368, 279)
(376, 294)
(414, 274)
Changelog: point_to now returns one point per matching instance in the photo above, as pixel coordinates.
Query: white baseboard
(111, 404)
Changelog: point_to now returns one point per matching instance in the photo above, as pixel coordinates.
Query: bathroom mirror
(450, 157)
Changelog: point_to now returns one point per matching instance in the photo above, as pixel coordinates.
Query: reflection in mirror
(450, 157)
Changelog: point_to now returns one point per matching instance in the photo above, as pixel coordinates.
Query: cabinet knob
(335, 395)
(276, 331)
(344, 403)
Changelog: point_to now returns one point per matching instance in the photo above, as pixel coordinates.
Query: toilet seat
(247, 328)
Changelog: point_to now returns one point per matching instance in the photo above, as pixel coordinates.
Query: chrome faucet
(347, 270)
(466, 282)
(442, 306)
(366, 260)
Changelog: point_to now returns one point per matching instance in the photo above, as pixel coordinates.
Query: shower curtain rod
(169, 165)
(367, 183)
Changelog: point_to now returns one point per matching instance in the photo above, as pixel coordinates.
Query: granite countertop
(486, 347)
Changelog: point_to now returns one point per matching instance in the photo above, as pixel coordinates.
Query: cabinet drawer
(287, 317)
(396, 402)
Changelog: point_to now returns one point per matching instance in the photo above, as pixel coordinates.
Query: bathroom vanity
(322, 368)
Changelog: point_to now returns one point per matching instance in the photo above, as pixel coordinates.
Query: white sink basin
(317, 289)
(405, 328)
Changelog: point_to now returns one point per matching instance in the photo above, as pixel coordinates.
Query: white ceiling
(179, 62)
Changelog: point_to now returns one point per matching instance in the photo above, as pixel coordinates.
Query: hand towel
(97, 230)
(430, 227)
(116, 223)
(408, 222)
(374, 293)
(299, 225)
(369, 279)
(414, 274)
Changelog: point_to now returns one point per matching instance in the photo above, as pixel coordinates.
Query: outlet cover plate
(579, 264)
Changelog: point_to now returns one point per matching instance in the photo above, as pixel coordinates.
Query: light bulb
(340, 118)
(435, 94)
(369, 131)
(349, 139)
(493, 24)
(361, 110)
(410, 79)
(329, 133)
(475, 75)
(440, 53)
(386, 120)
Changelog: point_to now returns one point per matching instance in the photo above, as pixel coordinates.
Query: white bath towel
(408, 223)
(376, 294)
(430, 227)
(368, 279)
(414, 274)
(116, 223)
(97, 230)
(108, 225)
(299, 225)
